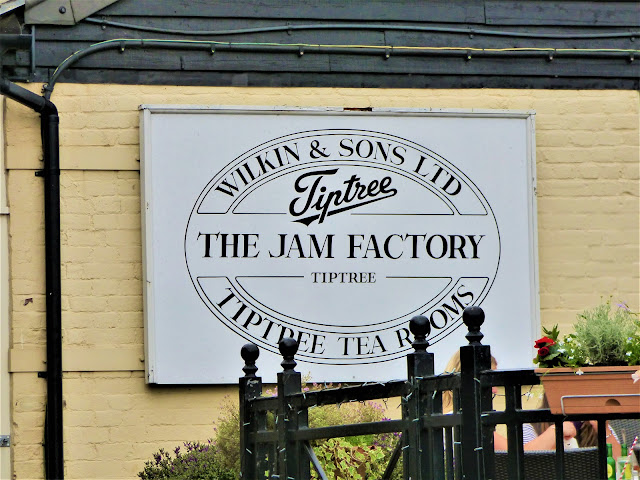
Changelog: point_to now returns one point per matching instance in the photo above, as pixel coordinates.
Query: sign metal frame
(148, 190)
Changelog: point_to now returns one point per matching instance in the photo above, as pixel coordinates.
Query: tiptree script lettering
(318, 199)
(293, 236)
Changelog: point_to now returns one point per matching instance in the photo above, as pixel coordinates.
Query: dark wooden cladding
(537, 63)
(535, 67)
(92, 32)
(549, 12)
(484, 41)
(485, 24)
(345, 80)
(370, 10)
(176, 60)
(500, 12)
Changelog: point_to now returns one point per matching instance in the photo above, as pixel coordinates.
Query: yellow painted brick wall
(588, 167)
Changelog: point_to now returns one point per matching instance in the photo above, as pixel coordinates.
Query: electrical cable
(366, 26)
(301, 48)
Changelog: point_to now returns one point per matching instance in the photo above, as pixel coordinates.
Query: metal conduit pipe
(49, 127)
(364, 26)
(8, 41)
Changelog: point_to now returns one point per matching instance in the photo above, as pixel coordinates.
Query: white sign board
(333, 227)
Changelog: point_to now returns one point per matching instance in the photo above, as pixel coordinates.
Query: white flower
(579, 372)
(636, 376)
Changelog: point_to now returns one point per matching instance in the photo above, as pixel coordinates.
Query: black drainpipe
(49, 121)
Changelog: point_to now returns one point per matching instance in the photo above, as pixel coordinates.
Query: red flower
(543, 352)
(544, 341)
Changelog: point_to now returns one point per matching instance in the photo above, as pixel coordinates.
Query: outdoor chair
(626, 429)
(579, 464)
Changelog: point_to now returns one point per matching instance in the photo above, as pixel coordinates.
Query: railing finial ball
(249, 353)
(473, 318)
(288, 348)
(421, 328)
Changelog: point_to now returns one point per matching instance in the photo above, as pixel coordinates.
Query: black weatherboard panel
(390, 44)
(370, 10)
(588, 14)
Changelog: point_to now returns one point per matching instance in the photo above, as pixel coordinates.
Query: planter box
(595, 390)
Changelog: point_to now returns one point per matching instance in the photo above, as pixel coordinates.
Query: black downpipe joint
(49, 125)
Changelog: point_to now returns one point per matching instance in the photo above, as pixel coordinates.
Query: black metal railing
(275, 436)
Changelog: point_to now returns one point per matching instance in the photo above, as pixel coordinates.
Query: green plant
(633, 350)
(550, 352)
(198, 461)
(604, 335)
(343, 460)
(227, 440)
(348, 413)
(350, 458)
(553, 352)
(357, 457)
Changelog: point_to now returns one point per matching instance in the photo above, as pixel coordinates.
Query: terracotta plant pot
(591, 389)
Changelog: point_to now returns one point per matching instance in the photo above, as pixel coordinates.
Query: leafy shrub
(343, 460)
(199, 461)
(357, 457)
(606, 335)
(227, 433)
(347, 413)
(346, 458)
